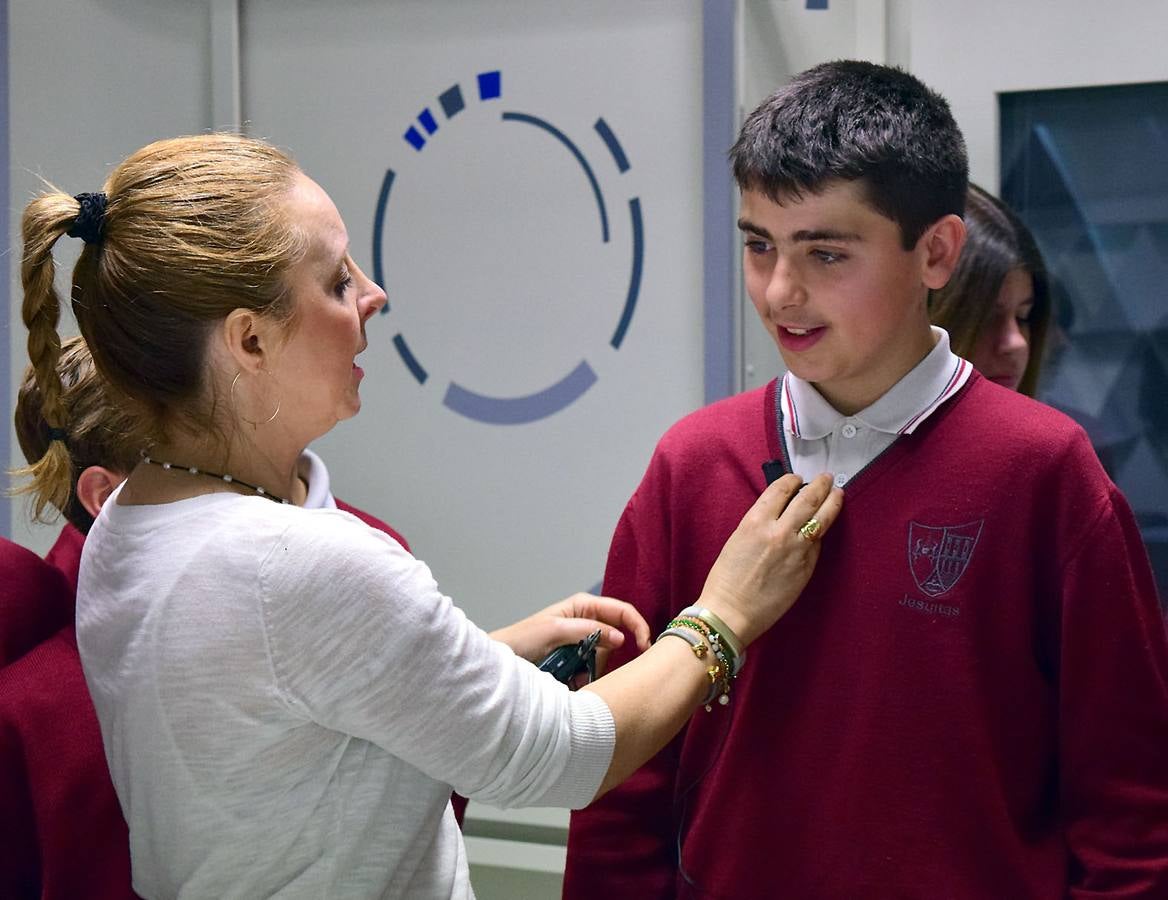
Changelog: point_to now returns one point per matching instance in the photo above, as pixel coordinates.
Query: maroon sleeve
(458, 803)
(63, 832)
(19, 877)
(35, 601)
(373, 522)
(1113, 715)
(65, 554)
(624, 845)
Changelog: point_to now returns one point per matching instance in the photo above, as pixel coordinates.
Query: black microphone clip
(773, 470)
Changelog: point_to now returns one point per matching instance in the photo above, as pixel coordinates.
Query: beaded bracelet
(710, 618)
(700, 647)
(721, 674)
(719, 687)
(718, 684)
(721, 649)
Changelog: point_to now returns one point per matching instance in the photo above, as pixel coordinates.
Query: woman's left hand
(570, 621)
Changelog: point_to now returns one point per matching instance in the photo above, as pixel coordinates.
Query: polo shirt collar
(936, 378)
(312, 471)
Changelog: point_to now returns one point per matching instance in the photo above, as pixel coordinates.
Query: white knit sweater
(286, 699)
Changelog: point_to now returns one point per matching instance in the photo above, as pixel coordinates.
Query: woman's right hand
(759, 574)
(766, 563)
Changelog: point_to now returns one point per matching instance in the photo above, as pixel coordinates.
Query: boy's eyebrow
(825, 234)
(803, 236)
(746, 225)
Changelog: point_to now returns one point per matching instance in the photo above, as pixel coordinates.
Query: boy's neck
(850, 396)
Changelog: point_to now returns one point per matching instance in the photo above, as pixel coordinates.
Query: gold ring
(810, 529)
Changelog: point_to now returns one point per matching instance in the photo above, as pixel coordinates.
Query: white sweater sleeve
(361, 641)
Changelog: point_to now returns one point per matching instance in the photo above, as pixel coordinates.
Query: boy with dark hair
(971, 699)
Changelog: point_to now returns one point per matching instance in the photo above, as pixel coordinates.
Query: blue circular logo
(549, 399)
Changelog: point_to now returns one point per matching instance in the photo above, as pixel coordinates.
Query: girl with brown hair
(997, 305)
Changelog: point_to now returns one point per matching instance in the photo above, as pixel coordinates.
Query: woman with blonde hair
(284, 694)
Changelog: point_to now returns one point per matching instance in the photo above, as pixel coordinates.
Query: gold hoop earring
(253, 423)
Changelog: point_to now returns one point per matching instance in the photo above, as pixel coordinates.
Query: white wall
(494, 266)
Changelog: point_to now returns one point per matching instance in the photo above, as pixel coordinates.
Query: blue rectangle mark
(415, 138)
(816, 4)
(490, 85)
(427, 120)
(451, 100)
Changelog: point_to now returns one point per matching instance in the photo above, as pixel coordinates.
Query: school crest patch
(939, 555)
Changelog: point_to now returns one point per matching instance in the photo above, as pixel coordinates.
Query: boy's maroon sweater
(969, 700)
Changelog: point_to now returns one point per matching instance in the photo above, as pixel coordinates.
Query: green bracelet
(724, 630)
(719, 645)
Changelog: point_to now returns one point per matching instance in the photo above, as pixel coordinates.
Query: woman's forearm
(651, 698)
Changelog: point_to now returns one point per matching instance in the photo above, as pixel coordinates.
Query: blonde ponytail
(45, 219)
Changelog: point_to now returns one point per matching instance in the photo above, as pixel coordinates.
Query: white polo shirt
(818, 438)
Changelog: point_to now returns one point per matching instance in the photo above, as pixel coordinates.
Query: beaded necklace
(229, 479)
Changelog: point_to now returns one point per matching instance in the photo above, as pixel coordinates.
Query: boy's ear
(940, 248)
(247, 337)
(94, 485)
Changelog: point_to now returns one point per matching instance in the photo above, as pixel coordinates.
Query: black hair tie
(58, 434)
(90, 222)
